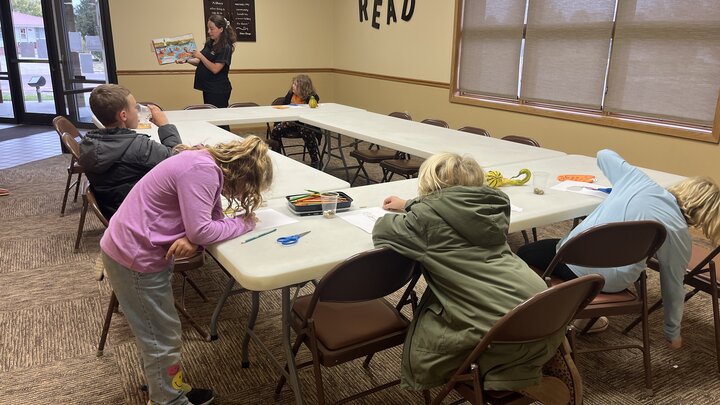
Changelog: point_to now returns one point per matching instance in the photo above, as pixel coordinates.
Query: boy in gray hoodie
(116, 157)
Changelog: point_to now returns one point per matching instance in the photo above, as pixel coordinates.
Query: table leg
(221, 302)
(325, 151)
(250, 327)
(292, 368)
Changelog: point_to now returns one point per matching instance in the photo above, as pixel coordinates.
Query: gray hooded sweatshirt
(114, 159)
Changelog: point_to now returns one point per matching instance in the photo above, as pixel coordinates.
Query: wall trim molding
(376, 76)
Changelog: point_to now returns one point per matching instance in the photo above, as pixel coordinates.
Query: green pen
(258, 236)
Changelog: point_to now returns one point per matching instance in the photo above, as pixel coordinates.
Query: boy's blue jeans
(147, 301)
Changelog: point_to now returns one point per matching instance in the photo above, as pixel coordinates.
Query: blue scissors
(292, 239)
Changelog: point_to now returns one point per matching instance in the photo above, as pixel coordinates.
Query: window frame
(589, 116)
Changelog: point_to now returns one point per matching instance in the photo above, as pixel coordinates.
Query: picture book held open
(169, 50)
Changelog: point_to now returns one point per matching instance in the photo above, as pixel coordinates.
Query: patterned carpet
(52, 308)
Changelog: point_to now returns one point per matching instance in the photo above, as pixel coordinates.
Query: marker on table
(258, 236)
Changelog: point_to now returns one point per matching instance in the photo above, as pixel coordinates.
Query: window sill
(631, 123)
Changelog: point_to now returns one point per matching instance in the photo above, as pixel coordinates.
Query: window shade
(490, 52)
(567, 46)
(666, 60)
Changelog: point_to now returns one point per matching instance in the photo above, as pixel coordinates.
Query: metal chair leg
(106, 325)
(81, 224)
(77, 187)
(65, 196)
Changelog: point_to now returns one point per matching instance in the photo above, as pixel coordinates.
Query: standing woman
(213, 62)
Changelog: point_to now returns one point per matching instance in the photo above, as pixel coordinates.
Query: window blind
(567, 45)
(665, 61)
(491, 38)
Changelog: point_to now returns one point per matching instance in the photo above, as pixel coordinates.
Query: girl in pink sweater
(169, 213)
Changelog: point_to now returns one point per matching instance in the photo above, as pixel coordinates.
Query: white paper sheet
(515, 208)
(364, 218)
(581, 187)
(270, 218)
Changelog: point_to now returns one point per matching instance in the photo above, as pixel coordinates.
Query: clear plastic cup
(144, 115)
(329, 204)
(540, 182)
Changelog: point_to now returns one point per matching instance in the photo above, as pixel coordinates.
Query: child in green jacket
(457, 229)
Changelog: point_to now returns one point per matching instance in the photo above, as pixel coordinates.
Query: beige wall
(420, 49)
(293, 34)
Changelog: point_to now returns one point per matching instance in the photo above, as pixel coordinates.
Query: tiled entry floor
(40, 146)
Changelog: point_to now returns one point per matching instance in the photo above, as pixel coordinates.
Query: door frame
(55, 61)
(67, 80)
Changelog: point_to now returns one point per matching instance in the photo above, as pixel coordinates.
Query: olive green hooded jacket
(459, 235)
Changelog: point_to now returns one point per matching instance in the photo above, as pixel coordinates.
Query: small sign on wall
(373, 11)
(240, 13)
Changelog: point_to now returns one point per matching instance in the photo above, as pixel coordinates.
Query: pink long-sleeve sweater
(178, 197)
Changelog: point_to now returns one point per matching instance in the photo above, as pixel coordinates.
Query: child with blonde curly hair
(169, 213)
(635, 196)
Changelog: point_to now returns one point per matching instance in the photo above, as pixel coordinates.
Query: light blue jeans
(147, 301)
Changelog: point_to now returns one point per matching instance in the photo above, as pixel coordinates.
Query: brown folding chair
(614, 245)
(89, 201)
(402, 163)
(475, 130)
(68, 140)
(542, 316)
(374, 156)
(701, 276)
(243, 104)
(199, 107)
(435, 122)
(347, 317)
(521, 139)
(401, 115)
(151, 103)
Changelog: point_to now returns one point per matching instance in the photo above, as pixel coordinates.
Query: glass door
(83, 37)
(38, 76)
(7, 112)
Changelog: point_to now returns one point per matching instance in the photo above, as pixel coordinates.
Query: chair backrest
(151, 103)
(475, 130)
(401, 115)
(199, 107)
(92, 202)
(436, 122)
(62, 125)
(97, 122)
(611, 245)
(521, 139)
(72, 145)
(278, 101)
(244, 104)
(365, 276)
(541, 316)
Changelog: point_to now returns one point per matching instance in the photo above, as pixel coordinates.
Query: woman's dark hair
(228, 35)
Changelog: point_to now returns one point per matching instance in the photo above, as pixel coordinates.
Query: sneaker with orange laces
(4, 192)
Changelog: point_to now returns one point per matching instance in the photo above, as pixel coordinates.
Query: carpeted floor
(51, 312)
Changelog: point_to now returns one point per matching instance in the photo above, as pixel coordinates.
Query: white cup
(540, 182)
(329, 204)
(144, 115)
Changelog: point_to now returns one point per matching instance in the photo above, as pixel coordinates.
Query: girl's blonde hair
(699, 201)
(247, 170)
(304, 86)
(447, 170)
